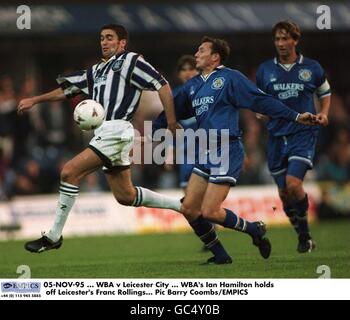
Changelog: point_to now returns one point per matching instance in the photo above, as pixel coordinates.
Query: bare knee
(210, 213)
(189, 211)
(68, 173)
(294, 187)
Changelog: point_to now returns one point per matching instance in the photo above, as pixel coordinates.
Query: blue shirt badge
(218, 83)
(305, 74)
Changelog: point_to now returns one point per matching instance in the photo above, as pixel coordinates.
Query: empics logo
(20, 287)
(7, 285)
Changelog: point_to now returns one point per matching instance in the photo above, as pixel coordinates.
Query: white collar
(205, 78)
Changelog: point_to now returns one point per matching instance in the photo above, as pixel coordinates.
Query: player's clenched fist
(25, 104)
(322, 119)
(308, 118)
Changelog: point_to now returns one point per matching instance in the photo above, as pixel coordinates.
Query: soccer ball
(89, 115)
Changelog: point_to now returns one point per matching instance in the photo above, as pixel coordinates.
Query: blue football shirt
(294, 85)
(215, 100)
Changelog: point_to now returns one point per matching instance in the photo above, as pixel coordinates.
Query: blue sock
(292, 215)
(301, 207)
(233, 221)
(206, 232)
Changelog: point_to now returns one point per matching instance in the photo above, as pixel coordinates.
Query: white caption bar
(173, 289)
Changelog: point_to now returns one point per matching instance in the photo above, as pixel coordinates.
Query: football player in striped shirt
(116, 82)
(293, 79)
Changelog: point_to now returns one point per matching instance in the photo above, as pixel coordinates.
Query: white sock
(68, 193)
(148, 198)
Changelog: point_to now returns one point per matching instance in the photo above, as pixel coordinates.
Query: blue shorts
(185, 171)
(225, 172)
(291, 155)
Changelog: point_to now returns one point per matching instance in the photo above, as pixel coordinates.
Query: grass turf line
(180, 256)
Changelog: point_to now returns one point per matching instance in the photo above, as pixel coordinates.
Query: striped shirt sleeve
(145, 77)
(74, 83)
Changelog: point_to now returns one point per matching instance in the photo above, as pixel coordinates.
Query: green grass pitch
(179, 256)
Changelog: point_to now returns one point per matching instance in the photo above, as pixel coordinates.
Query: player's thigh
(214, 197)
(296, 171)
(82, 164)
(194, 193)
(119, 180)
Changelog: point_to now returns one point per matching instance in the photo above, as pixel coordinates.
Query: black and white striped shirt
(116, 84)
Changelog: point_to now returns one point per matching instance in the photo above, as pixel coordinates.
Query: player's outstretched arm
(166, 97)
(28, 103)
(322, 116)
(308, 119)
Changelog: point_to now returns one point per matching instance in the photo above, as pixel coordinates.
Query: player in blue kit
(293, 79)
(185, 70)
(214, 97)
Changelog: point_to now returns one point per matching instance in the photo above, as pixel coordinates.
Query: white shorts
(112, 142)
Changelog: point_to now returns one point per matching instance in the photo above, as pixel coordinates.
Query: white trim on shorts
(200, 172)
(302, 159)
(279, 172)
(223, 179)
